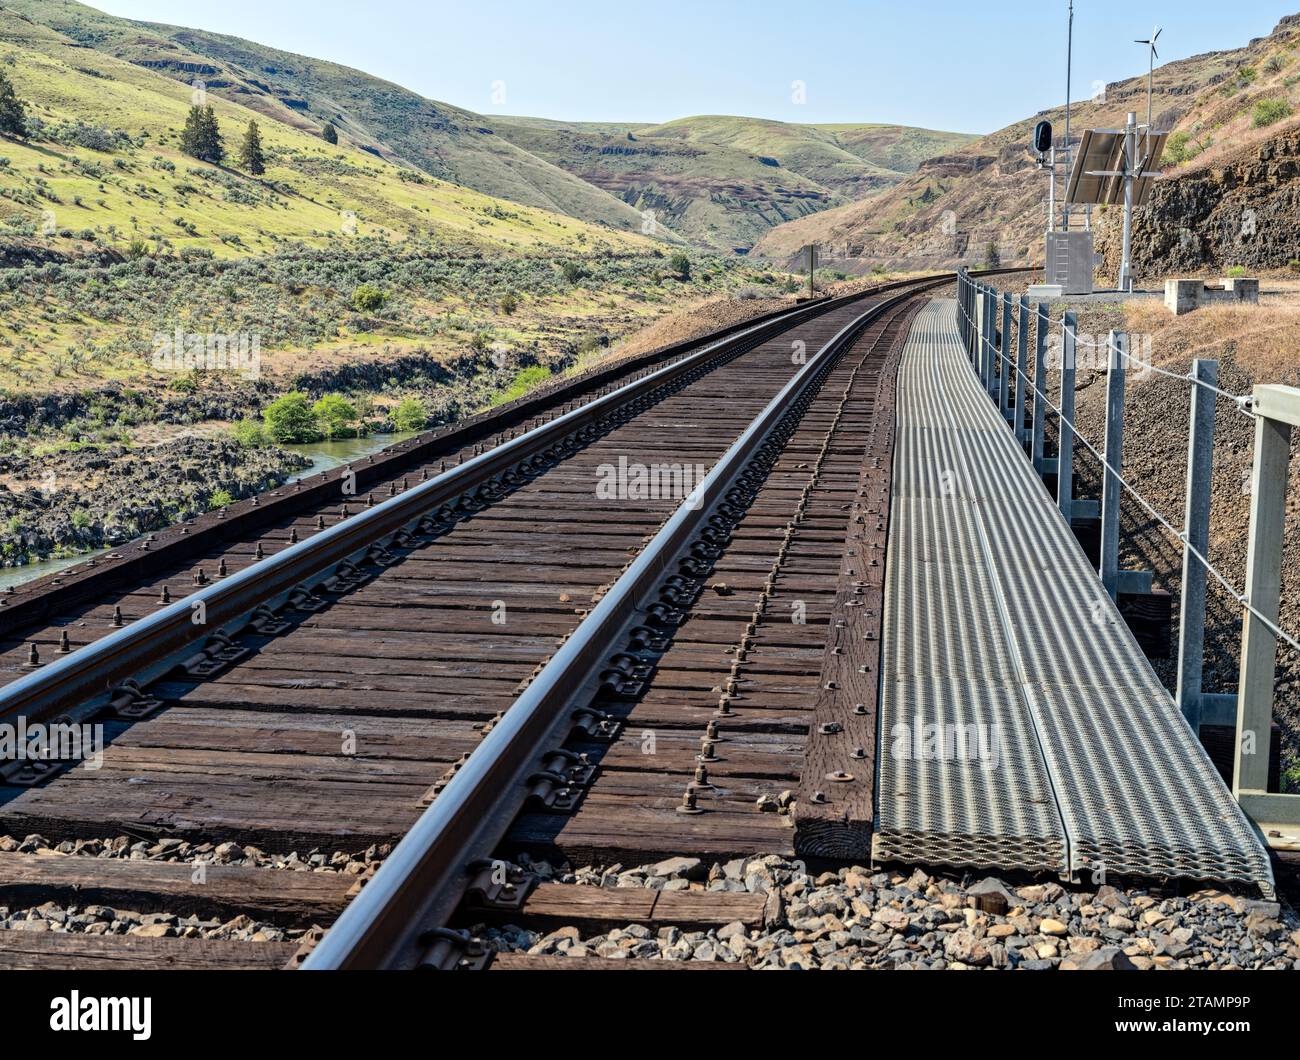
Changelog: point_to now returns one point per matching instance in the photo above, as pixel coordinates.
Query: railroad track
(510, 637)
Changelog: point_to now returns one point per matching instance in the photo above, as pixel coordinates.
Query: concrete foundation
(1185, 295)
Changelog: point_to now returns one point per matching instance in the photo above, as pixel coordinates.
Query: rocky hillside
(724, 181)
(989, 193)
(1242, 211)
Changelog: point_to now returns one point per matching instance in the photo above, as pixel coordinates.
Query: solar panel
(1098, 164)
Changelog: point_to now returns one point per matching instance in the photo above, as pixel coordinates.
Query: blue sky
(966, 66)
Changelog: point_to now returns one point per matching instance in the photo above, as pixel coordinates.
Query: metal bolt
(117, 615)
(65, 645)
(166, 596)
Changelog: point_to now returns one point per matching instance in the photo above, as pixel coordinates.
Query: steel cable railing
(1242, 402)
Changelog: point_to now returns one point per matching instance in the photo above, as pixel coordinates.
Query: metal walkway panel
(994, 617)
(961, 778)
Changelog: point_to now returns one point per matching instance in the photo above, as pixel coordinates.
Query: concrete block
(1182, 296)
(1242, 289)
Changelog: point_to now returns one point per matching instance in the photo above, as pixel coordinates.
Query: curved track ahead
(330, 718)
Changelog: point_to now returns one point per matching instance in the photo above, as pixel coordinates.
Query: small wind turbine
(1151, 69)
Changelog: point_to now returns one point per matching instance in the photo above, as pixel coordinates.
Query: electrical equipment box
(1070, 261)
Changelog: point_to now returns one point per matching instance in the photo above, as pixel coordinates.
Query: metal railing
(1275, 411)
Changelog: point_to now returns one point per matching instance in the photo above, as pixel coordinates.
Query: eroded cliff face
(1243, 212)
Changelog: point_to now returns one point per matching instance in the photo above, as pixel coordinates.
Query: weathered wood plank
(33, 951)
(297, 897)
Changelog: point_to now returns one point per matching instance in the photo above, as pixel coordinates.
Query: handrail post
(1039, 397)
(986, 351)
(1065, 461)
(1022, 359)
(1196, 521)
(1004, 362)
(1111, 489)
(995, 346)
(1263, 591)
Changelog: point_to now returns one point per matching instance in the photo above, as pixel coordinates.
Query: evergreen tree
(201, 137)
(214, 149)
(13, 113)
(329, 134)
(250, 151)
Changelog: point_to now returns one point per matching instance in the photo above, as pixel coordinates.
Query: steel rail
(401, 912)
(81, 683)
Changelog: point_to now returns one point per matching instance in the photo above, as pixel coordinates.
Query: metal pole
(1051, 196)
(1264, 591)
(990, 325)
(1196, 520)
(1130, 158)
(1022, 360)
(1069, 152)
(1065, 461)
(995, 344)
(1039, 397)
(1004, 362)
(1111, 489)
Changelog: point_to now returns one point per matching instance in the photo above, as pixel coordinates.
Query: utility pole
(1069, 155)
(1131, 167)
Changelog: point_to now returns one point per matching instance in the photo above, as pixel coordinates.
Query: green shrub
(509, 303)
(572, 271)
(289, 419)
(220, 499)
(1176, 149)
(250, 434)
(410, 416)
(335, 416)
(1269, 111)
(1236, 271)
(81, 519)
(368, 298)
(525, 379)
(681, 265)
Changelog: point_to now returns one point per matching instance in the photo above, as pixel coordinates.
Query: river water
(323, 457)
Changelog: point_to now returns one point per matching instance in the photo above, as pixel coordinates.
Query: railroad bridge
(868, 633)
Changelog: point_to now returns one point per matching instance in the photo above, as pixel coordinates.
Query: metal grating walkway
(1021, 725)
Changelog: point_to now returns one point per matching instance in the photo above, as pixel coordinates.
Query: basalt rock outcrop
(1244, 212)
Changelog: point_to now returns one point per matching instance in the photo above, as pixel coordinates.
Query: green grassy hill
(378, 116)
(721, 182)
(106, 171)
